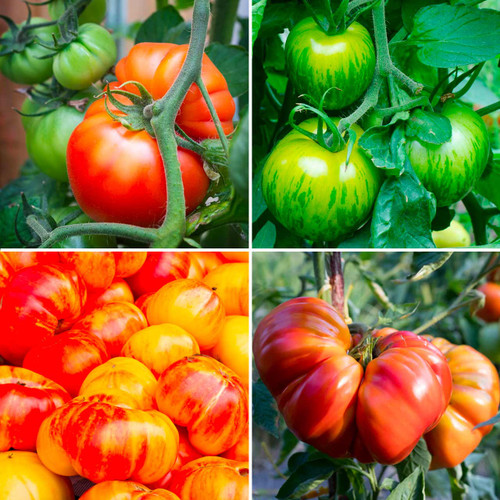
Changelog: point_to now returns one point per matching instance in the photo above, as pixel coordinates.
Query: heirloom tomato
(20, 260)
(191, 305)
(104, 442)
(6, 272)
(235, 256)
(126, 490)
(313, 193)
(39, 301)
(491, 310)
(343, 62)
(375, 413)
(128, 263)
(216, 415)
(450, 170)
(475, 399)
(204, 262)
(93, 13)
(118, 291)
(241, 450)
(23, 476)
(455, 235)
(97, 269)
(26, 398)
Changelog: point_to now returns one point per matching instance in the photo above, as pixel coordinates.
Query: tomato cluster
(127, 368)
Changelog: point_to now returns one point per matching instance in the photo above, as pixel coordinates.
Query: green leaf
(403, 214)
(360, 239)
(488, 184)
(165, 25)
(418, 458)
(232, 61)
(425, 263)
(450, 36)
(265, 413)
(412, 488)
(238, 158)
(258, 7)
(429, 127)
(259, 205)
(277, 18)
(443, 218)
(288, 443)
(266, 237)
(410, 9)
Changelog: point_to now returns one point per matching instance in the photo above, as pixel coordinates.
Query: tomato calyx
(363, 349)
(329, 20)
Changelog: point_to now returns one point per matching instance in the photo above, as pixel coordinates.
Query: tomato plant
(93, 13)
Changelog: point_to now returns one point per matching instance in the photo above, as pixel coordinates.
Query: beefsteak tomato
(126, 490)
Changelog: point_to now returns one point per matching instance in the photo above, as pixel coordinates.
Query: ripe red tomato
(20, 260)
(241, 450)
(128, 263)
(235, 256)
(26, 399)
(126, 490)
(491, 310)
(39, 301)
(143, 301)
(118, 291)
(206, 261)
(6, 272)
(67, 358)
(216, 416)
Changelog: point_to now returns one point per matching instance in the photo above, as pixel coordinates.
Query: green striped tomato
(450, 170)
(312, 193)
(344, 62)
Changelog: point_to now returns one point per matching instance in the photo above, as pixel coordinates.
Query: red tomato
(6, 272)
(97, 269)
(159, 269)
(20, 260)
(143, 301)
(26, 399)
(114, 323)
(118, 291)
(205, 262)
(235, 256)
(241, 450)
(67, 358)
(206, 397)
(39, 301)
(128, 263)
(491, 310)
(126, 490)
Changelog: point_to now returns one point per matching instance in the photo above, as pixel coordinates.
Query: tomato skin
(126, 490)
(455, 235)
(159, 269)
(159, 346)
(309, 191)
(241, 450)
(67, 358)
(317, 61)
(26, 398)
(128, 186)
(22, 475)
(94, 49)
(6, 272)
(50, 298)
(491, 310)
(475, 399)
(235, 256)
(216, 417)
(95, 12)
(128, 263)
(104, 442)
(191, 305)
(118, 291)
(97, 269)
(26, 66)
(450, 170)
(20, 260)
(207, 261)
(327, 401)
(212, 477)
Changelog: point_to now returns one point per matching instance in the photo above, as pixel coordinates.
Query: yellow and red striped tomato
(26, 398)
(20, 260)
(6, 272)
(202, 263)
(128, 263)
(97, 269)
(241, 450)
(118, 291)
(207, 398)
(126, 490)
(235, 256)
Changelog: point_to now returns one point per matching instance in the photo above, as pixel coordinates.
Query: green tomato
(26, 66)
(86, 59)
(489, 342)
(47, 139)
(455, 235)
(316, 62)
(450, 170)
(313, 193)
(95, 12)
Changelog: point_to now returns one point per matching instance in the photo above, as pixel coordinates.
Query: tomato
(475, 399)
(157, 347)
(128, 186)
(328, 400)
(126, 490)
(206, 261)
(455, 235)
(316, 62)
(143, 301)
(235, 256)
(22, 475)
(159, 269)
(191, 305)
(67, 358)
(95, 12)
(20, 260)
(128, 263)
(97, 269)
(118, 291)
(26, 398)
(6, 272)
(39, 301)
(230, 282)
(122, 381)
(94, 49)
(450, 170)
(103, 442)
(491, 310)
(156, 66)
(311, 192)
(232, 347)
(27, 66)
(215, 416)
(114, 323)
(212, 477)
(241, 450)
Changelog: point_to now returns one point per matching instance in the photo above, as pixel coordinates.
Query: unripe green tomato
(95, 12)
(86, 59)
(26, 66)
(316, 62)
(455, 235)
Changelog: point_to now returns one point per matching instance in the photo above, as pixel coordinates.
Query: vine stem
(223, 19)
(337, 282)
(320, 273)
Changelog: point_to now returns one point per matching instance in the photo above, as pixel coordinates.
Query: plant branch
(337, 282)
(223, 18)
(320, 274)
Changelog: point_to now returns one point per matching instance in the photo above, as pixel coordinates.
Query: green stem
(419, 101)
(337, 283)
(161, 4)
(223, 20)
(320, 273)
(286, 108)
(489, 109)
(477, 218)
(354, 4)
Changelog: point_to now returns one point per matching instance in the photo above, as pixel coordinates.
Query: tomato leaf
(488, 184)
(429, 127)
(238, 157)
(165, 25)
(419, 458)
(289, 442)
(265, 413)
(425, 263)
(413, 487)
(449, 36)
(258, 7)
(266, 237)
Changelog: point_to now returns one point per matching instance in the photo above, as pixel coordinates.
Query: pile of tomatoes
(130, 369)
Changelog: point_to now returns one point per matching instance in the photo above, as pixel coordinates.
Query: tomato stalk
(223, 19)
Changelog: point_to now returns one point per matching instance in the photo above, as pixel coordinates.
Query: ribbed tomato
(329, 400)
(39, 301)
(126, 490)
(118, 291)
(207, 261)
(67, 358)
(26, 398)
(97, 269)
(128, 263)
(20, 260)
(104, 442)
(207, 398)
